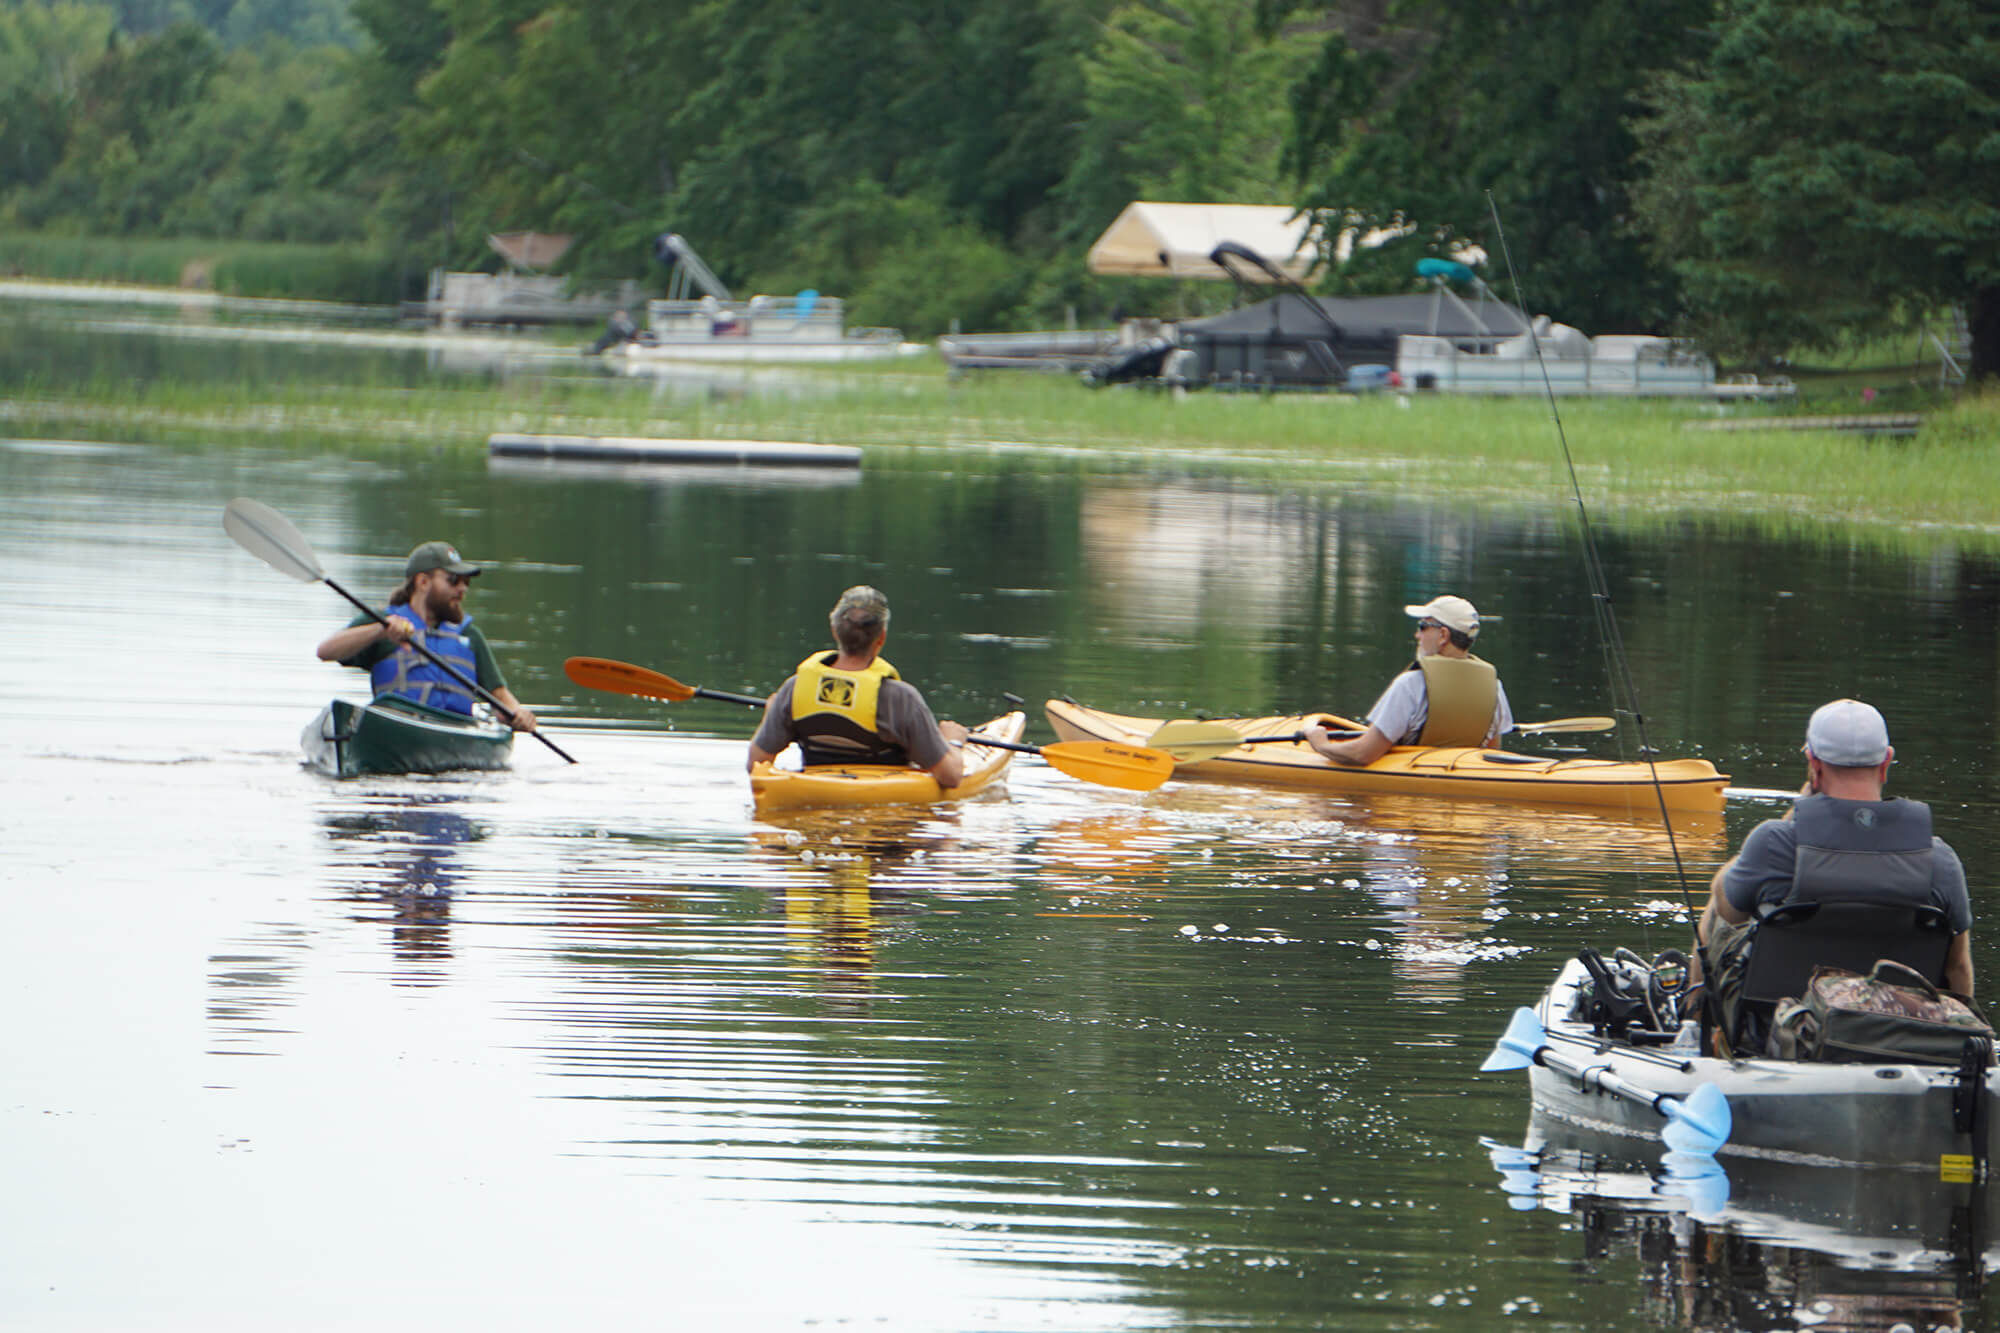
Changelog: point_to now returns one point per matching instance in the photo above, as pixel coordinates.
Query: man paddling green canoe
(428, 609)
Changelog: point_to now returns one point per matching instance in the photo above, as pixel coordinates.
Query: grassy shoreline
(1639, 462)
(1635, 460)
(345, 274)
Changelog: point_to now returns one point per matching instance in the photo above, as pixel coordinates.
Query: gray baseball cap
(1847, 734)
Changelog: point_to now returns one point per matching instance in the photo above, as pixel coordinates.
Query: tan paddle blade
(601, 673)
(1190, 742)
(1131, 767)
(1566, 724)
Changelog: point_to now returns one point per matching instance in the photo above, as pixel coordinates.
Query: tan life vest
(1461, 694)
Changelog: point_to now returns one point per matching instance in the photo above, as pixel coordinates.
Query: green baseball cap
(438, 555)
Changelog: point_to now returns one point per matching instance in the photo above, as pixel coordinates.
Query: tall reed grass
(348, 274)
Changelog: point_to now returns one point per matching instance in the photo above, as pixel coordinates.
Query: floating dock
(633, 449)
(1870, 423)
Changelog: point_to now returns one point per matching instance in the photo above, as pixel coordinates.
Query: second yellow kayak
(1415, 770)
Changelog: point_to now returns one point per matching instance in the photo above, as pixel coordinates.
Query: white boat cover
(1154, 240)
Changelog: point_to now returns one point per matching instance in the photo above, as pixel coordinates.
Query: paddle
(602, 673)
(270, 536)
(1131, 767)
(1190, 742)
(1697, 1123)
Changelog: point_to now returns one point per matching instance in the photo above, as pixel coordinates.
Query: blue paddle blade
(1507, 1157)
(1699, 1122)
(1698, 1178)
(1519, 1044)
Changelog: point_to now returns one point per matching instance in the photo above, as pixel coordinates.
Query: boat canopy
(1360, 317)
(1155, 240)
(531, 250)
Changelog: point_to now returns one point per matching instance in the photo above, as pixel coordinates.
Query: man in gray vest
(1840, 840)
(1446, 697)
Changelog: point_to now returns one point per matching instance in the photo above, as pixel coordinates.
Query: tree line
(1758, 174)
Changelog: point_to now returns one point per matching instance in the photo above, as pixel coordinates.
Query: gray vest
(1872, 851)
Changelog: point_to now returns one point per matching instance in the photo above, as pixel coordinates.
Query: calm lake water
(593, 1046)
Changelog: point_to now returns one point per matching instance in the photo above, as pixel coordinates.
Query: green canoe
(390, 736)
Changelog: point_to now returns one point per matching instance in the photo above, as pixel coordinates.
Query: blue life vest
(408, 674)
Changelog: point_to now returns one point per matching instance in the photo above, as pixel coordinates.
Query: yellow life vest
(834, 712)
(1461, 694)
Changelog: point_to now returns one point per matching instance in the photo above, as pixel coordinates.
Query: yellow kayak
(1414, 770)
(885, 784)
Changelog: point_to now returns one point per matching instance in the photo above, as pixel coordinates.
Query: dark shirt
(1762, 873)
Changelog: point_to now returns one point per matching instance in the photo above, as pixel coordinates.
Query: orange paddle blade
(601, 673)
(1131, 767)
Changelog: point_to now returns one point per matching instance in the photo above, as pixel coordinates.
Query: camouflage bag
(1894, 1015)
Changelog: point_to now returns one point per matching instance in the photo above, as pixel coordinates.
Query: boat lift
(673, 250)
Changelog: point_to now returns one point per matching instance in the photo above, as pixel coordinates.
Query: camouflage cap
(438, 555)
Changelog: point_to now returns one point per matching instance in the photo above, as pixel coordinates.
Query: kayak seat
(1792, 939)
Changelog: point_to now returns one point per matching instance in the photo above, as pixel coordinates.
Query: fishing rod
(1600, 588)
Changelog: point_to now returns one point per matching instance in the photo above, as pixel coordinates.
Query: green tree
(1414, 112)
(754, 126)
(557, 117)
(46, 51)
(242, 22)
(372, 155)
(1834, 168)
(1185, 102)
(137, 95)
(910, 262)
(237, 166)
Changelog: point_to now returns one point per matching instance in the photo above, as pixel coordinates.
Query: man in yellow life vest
(850, 706)
(1446, 697)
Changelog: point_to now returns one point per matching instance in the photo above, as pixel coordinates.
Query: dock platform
(1868, 423)
(635, 449)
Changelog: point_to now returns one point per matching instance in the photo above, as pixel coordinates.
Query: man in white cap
(1840, 840)
(850, 706)
(1446, 697)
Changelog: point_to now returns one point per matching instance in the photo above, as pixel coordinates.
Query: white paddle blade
(270, 536)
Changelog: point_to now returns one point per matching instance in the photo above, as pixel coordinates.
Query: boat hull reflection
(1753, 1243)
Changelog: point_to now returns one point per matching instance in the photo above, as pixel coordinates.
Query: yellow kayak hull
(1415, 770)
(885, 784)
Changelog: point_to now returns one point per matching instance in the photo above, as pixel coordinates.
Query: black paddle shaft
(445, 666)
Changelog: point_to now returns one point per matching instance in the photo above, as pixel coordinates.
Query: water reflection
(1747, 1243)
(841, 875)
(397, 861)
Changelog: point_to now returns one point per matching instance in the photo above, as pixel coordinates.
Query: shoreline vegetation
(1641, 463)
(275, 270)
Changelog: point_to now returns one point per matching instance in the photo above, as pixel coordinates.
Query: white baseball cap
(1452, 612)
(1847, 734)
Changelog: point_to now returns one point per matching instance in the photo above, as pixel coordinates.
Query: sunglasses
(1431, 624)
(456, 580)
